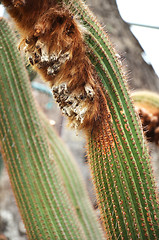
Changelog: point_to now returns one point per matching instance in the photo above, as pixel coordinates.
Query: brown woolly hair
(150, 123)
(53, 41)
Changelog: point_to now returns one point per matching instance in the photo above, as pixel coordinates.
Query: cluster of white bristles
(73, 104)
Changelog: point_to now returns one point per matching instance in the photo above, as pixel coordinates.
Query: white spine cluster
(73, 104)
(41, 58)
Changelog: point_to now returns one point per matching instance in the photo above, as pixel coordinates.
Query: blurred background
(133, 27)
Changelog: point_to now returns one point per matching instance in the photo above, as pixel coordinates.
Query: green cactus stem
(147, 105)
(73, 182)
(46, 207)
(119, 158)
(146, 99)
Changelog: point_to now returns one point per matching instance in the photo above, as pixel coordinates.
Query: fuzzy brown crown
(53, 41)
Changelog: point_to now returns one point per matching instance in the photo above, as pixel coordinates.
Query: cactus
(119, 158)
(146, 99)
(73, 181)
(147, 105)
(48, 210)
(118, 155)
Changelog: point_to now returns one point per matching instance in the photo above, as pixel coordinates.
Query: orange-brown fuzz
(150, 123)
(53, 41)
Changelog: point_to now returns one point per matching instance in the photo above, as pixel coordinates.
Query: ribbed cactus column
(119, 158)
(73, 183)
(128, 212)
(47, 211)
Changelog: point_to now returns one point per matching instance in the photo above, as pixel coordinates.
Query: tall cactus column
(118, 154)
(47, 211)
(74, 184)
